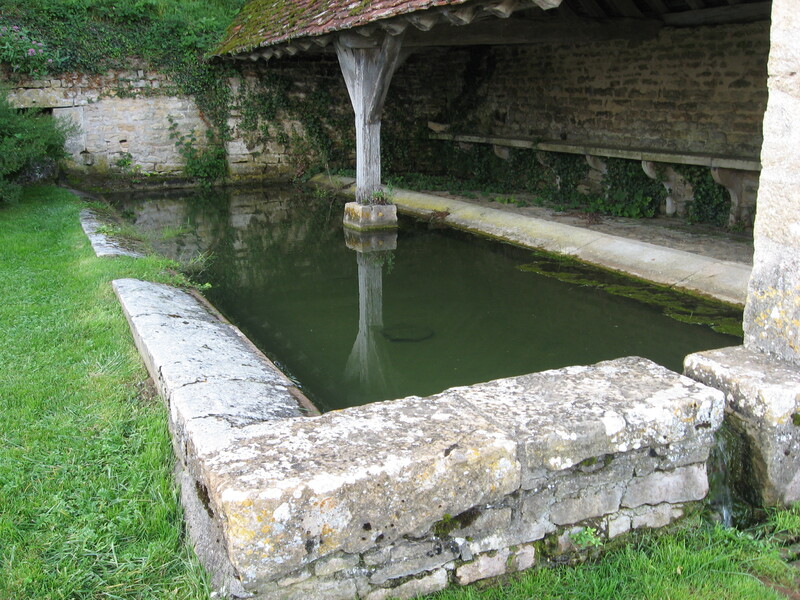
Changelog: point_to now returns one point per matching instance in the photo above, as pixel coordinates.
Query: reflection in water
(369, 361)
(279, 270)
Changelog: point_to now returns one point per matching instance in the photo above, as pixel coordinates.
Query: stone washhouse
(406, 497)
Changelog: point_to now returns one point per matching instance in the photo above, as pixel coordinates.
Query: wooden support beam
(367, 74)
(735, 13)
(658, 6)
(593, 9)
(627, 8)
(521, 32)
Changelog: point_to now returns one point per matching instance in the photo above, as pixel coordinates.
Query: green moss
(683, 307)
(449, 523)
(796, 419)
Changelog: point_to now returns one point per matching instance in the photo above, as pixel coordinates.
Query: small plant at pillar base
(381, 197)
(23, 53)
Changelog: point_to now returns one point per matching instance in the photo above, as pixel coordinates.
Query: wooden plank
(593, 9)
(627, 8)
(522, 32)
(735, 13)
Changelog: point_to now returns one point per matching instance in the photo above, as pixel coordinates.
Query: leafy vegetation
(27, 138)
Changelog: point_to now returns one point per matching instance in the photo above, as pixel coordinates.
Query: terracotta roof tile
(268, 22)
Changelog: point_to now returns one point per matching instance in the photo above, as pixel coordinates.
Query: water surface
(443, 309)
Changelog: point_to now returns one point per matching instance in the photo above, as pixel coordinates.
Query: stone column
(761, 379)
(772, 314)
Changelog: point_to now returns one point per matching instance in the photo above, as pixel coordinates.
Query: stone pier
(761, 379)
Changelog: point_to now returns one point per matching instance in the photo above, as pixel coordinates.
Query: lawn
(88, 507)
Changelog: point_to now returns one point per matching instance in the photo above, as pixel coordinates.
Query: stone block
(590, 505)
(486, 565)
(409, 558)
(618, 525)
(523, 558)
(300, 489)
(656, 516)
(685, 484)
(763, 395)
(429, 584)
(334, 564)
(367, 217)
(608, 408)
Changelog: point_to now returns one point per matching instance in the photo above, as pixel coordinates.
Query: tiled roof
(269, 22)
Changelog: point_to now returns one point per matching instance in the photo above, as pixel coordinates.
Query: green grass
(88, 508)
(695, 561)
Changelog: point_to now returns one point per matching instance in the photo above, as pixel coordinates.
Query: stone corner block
(763, 395)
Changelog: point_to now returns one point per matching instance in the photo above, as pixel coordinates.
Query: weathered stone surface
(486, 565)
(523, 558)
(685, 484)
(772, 313)
(300, 489)
(411, 559)
(416, 587)
(764, 398)
(334, 564)
(600, 410)
(656, 516)
(588, 506)
(370, 217)
(101, 243)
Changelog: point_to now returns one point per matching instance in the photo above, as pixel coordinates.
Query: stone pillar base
(763, 401)
(366, 217)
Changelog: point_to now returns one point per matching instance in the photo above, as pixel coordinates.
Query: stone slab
(101, 243)
(720, 279)
(215, 380)
(301, 489)
(565, 416)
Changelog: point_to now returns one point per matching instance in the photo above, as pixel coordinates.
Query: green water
(443, 309)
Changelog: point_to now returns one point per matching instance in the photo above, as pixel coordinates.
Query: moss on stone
(681, 306)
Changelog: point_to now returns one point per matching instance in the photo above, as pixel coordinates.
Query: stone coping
(101, 243)
(719, 279)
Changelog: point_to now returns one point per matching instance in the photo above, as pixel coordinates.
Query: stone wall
(694, 90)
(121, 118)
(406, 497)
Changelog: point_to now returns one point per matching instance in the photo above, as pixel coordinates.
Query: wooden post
(368, 70)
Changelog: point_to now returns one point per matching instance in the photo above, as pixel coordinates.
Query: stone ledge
(101, 243)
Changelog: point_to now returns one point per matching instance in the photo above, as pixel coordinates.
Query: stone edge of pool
(383, 500)
(722, 280)
(407, 496)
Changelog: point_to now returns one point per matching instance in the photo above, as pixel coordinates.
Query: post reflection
(369, 364)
